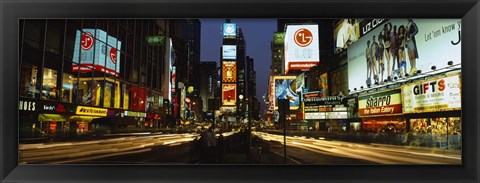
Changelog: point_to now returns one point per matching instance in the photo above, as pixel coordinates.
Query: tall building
(206, 83)
(74, 71)
(233, 79)
(192, 35)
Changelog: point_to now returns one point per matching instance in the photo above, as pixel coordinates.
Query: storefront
(325, 113)
(433, 110)
(140, 117)
(381, 112)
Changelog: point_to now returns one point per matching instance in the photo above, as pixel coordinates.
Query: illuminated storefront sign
(301, 47)
(384, 103)
(440, 94)
(135, 114)
(95, 50)
(229, 72)
(92, 111)
(27, 105)
(229, 30)
(326, 115)
(229, 93)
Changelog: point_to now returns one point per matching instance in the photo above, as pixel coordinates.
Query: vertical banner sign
(95, 50)
(440, 94)
(384, 103)
(301, 47)
(229, 93)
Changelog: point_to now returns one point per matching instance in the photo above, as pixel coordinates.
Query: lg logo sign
(303, 37)
(87, 41)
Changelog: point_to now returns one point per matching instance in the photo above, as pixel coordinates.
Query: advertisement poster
(229, 30)
(301, 47)
(229, 93)
(440, 94)
(229, 52)
(285, 87)
(95, 50)
(229, 72)
(384, 103)
(422, 44)
(346, 32)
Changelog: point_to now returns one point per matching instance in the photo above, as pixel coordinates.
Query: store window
(108, 97)
(49, 88)
(67, 87)
(126, 97)
(90, 92)
(28, 81)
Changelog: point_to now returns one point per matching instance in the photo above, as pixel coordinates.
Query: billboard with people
(402, 48)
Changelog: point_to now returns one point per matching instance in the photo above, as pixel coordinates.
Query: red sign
(303, 37)
(113, 55)
(60, 108)
(87, 41)
(138, 96)
(391, 109)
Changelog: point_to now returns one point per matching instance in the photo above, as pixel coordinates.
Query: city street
(179, 149)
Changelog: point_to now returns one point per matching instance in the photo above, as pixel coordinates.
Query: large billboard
(229, 52)
(229, 30)
(285, 87)
(380, 104)
(301, 47)
(439, 94)
(229, 93)
(432, 42)
(95, 50)
(229, 72)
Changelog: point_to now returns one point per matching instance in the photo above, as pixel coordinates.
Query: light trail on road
(376, 153)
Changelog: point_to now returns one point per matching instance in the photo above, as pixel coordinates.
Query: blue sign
(229, 52)
(229, 30)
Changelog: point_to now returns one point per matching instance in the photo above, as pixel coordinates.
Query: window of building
(33, 32)
(28, 81)
(55, 29)
(49, 88)
(126, 97)
(67, 87)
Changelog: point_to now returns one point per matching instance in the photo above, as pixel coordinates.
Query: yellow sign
(92, 111)
(135, 114)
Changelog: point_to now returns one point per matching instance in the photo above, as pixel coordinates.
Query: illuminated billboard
(439, 94)
(229, 72)
(229, 30)
(278, 38)
(429, 42)
(301, 47)
(380, 104)
(229, 93)
(229, 52)
(346, 32)
(95, 50)
(285, 87)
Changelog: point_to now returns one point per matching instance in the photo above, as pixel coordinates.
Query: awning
(51, 117)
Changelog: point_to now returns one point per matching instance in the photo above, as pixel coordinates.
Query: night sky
(258, 34)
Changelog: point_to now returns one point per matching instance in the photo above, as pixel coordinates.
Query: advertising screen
(95, 50)
(229, 72)
(440, 94)
(229, 52)
(432, 42)
(285, 87)
(384, 103)
(229, 93)
(229, 30)
(345, 32)
(301, 47)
